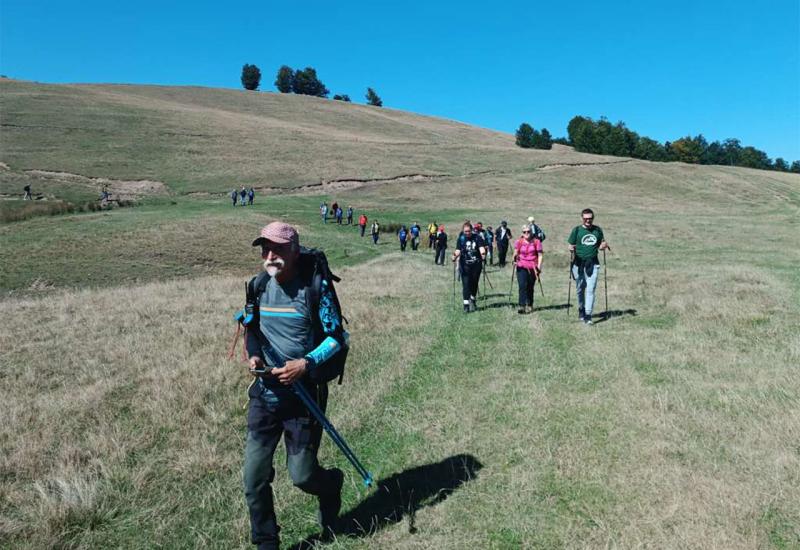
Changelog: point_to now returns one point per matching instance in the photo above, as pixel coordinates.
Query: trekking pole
(513, 272)
(314, 409)
(605, 283)
(569, 288)
(454, 284)
(539, 280)
(486, 275)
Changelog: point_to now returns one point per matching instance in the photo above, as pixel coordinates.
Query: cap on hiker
(504, 223)
(530, 219)
(278, 233)
(479, 226)
(441, 228)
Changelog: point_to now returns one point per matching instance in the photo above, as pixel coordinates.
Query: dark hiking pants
(363, 227)
(470, 278)
(439, 258)
(527, 280)
(502, 250)
(266, 422)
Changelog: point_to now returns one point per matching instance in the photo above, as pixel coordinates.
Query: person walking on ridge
(433, 229)
(349, 215)
(362, 223)
(251, 195)
(470, 254)
(415, 233)
(243, 195)
(323, 211)
(503, 236)
(375, 232)
(402, 234)
(441, 246)
(304, 341)
(585, 241)
(528, 258)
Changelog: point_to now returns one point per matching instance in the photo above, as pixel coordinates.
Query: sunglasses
(525, 232)
(277, 249)
(588, 219)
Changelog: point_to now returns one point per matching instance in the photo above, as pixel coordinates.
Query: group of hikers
(295, 344)
(475, 246)
(243, 196)
(336, 213)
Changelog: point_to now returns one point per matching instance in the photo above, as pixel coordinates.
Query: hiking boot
(521, 310)
(581, 313)
(330, 504)
(472, 305)
(587, 320)
(466, 308)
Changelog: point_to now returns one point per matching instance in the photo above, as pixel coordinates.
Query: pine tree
(251, 77)
(373, 98)
(284, 80)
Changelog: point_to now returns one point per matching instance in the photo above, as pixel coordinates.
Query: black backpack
(313, 270)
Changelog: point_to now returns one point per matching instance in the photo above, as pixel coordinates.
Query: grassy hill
(673, 423)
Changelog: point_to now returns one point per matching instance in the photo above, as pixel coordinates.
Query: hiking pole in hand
(317, 413)
(539, 280)
(513, 272)
(569, 288)
(454, 283)
(486, 275)
(605, 282)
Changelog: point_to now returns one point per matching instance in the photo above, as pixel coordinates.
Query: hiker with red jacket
(528, 257)
(298, 317)
(362, 223)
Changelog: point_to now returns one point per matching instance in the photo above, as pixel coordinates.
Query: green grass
(672, 424)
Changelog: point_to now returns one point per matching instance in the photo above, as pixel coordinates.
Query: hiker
(536, 230)
(334, 208)
(243, 195)
(402, 234)
(433, 229)
(585, 241)
(375, 232)
(415, 232)
(299, 319)
(251, 195)
(28, 196)
(502, 236)
(338, 215)
(323, 211)
(470, 253)
(362, 223)
(234, 197)
(489, 236)
(441, 246)
(349, 215)
(528, 257)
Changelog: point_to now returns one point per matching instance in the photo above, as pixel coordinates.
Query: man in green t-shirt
(584, 243)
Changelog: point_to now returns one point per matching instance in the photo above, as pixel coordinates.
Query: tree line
(603, 138)
(300, 81)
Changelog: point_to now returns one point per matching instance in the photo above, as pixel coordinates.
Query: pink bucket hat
(278, 233)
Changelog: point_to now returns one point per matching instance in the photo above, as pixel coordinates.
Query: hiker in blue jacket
(402, 234)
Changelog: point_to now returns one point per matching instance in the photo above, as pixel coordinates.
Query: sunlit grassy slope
(673, 423)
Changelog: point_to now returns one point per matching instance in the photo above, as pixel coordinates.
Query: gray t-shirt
(286, 320)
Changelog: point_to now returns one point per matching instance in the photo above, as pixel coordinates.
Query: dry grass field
(673, 423)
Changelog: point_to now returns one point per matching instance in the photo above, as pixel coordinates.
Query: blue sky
(668, 69)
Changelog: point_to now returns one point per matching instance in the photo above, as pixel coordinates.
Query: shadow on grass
(401, 495)
(605, 316)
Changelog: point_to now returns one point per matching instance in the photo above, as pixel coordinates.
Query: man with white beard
(299, 318)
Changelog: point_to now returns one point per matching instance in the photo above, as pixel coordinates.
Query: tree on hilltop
(795, 167)
(306, 83)
(525, 135)
(342, 97)
(373, 99)
(284, 81)
(251, 77)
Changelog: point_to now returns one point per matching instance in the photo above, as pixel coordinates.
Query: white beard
(273, 268)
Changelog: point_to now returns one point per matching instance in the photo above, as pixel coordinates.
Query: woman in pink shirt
(528, 258)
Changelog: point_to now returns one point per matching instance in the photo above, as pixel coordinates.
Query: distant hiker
(323, 211)
(402, 234)
(28, 196)
(300, 321)
(234, 197)
(489, 236)
(349, 215)
(251, 195)
(441, 245)
(362, 223)
(585, 241)
(470, 253)
(415, 232)
(339, 215)
(334, 208)
(243, 195)
(502, 236)
(528, 257)
(536, 230)
(433, 228)
(375, 232)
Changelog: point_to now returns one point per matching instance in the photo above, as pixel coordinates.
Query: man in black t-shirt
(502, 237)
(470, 252)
